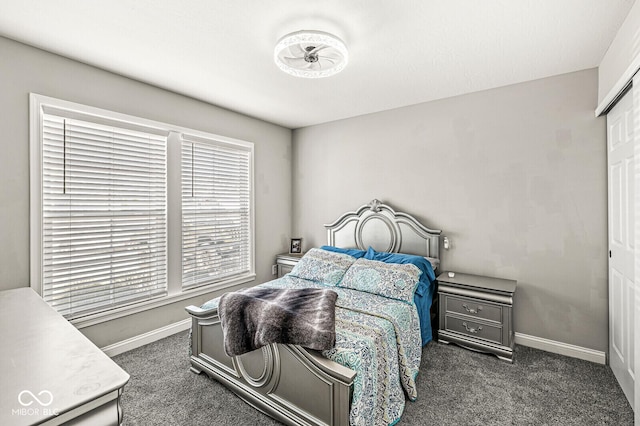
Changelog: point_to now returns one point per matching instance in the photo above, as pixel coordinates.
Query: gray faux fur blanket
(256, 317)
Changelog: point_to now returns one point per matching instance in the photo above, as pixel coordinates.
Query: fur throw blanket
(256, 317)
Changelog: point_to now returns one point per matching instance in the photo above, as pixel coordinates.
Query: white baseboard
(561, 348)
(521, 339)
(146, 338)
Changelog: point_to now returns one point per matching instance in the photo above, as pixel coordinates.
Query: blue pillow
(357, 253)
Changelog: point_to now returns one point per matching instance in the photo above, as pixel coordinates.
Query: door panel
(615, 191)
(620, 148)
(617, 309)
(629, 311)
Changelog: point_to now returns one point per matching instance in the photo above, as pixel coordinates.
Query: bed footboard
(292, 384)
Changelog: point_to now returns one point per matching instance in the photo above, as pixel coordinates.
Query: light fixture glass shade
(311, 54)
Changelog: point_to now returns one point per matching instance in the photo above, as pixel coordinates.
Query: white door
(621, 243)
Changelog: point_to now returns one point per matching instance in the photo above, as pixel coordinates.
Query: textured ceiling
(401, 52)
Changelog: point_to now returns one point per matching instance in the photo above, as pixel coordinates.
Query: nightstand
(476, 312)
(286, 261)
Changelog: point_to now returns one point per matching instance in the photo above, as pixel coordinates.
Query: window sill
(123, 311)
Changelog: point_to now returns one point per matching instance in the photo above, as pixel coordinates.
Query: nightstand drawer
(284, 269)
(476, 329)
(286, 261)
(473, 307)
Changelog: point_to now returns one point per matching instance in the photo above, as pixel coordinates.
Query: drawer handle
(471, 329)
(471, 310)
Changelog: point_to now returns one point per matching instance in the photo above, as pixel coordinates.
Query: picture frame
(295, 247)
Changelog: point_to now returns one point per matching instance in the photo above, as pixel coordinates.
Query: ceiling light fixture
(311, 54)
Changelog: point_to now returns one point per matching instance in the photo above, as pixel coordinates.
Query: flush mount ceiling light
(311, 54)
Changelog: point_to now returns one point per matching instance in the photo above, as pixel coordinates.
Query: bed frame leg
(195, 370)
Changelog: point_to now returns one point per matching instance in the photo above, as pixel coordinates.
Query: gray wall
(515, 176)
(24, 69)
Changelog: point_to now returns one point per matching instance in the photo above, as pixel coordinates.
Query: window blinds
(104, 218)
(216, 212)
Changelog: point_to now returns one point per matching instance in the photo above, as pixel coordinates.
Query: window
(216, 215)
(106, 218)
(104, 215)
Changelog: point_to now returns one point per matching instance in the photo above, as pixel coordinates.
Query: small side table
(286, 261)
(476, 312)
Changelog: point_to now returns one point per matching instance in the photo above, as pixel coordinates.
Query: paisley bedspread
(378, 338)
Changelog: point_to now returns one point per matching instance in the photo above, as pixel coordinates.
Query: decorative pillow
(392, 280)
(322, 266)
(425, 264)
(424, 292)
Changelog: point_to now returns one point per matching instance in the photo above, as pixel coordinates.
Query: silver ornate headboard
(379, 226)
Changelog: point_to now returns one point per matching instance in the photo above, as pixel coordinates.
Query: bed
(299, 386)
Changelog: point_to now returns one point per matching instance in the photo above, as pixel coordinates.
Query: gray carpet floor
(455, 387)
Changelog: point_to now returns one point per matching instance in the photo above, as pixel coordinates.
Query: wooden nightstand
(477, 312)
(286, 261)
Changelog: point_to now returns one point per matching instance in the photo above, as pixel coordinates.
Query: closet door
(620, 149)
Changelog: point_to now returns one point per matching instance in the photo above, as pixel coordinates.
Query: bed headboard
(377, 225)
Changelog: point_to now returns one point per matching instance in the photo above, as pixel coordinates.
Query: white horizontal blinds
(104, 215)
(216, 212)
